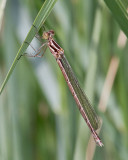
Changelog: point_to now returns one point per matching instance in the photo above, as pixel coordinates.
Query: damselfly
(81, 99)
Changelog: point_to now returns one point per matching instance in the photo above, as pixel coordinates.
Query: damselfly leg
(37, 35)
(43, 47)
(38, 51)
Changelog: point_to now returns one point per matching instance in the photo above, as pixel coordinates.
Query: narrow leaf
(38, 22)
(119, 10)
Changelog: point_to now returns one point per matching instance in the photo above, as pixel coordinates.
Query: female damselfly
(81, 99)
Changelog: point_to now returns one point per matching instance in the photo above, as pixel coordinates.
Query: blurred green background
(39, 119)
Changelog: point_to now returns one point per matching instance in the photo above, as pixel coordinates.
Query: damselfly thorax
(55, 49)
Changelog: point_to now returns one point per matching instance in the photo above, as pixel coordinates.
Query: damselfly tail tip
(99, 143)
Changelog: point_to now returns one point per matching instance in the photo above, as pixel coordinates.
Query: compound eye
(51, 32)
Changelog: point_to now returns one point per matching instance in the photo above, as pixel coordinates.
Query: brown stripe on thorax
(54, 49)
(57, 46)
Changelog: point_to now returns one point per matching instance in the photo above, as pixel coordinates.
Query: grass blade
(119, 10)
(39, 20)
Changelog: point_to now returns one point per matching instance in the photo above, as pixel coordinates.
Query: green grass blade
(39, 20)
(119, 10)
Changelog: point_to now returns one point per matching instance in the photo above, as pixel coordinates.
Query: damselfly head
(45, 35)
(48, 34)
